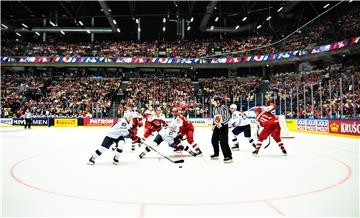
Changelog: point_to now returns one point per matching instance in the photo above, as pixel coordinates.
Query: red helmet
(257, 110)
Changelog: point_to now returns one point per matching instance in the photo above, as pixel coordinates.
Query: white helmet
(233, 106)
(128, 115)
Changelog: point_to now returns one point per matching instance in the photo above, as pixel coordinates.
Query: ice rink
(44, 173)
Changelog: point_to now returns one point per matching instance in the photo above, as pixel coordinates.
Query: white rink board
(45, 174)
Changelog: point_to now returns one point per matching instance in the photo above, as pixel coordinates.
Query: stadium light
(18, 34)
(237, 27)
(52, 24)
(267, 19)
(216, 19)
(258, 27)
(3, 25)
(88, 31)
(280, 9)
(188, 28)
(81, 23)
(24, 25)
(325, 6)
(192, 19)
(114, 21)
(212, 27)
(164, 29)
(244, 18)
(164, 20)
(137, 20)
(139, 30)
(62, 32)
(350, 1)
(118, 30)
(37, 33)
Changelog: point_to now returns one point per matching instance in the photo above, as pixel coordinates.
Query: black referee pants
(221, 135)
(28, 123)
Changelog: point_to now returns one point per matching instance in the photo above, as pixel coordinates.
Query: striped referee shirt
(223, 111)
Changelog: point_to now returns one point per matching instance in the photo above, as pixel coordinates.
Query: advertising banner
(312, 125)
(197, 122)
(346, 127)
(291, 124)
(36, 121)
(65, 122)
(100, 121)
(6, 121)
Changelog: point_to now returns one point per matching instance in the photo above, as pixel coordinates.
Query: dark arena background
(180, 108)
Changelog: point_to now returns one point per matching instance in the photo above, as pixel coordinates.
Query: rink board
(336, 127)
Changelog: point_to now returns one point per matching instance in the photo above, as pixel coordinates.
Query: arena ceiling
(119, 18)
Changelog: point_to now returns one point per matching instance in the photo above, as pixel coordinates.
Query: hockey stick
(173, 161)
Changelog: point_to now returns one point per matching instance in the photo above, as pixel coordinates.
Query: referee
(220, 130)
(27, 117)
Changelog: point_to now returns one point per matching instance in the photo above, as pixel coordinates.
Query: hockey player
(271, 126)
(186, 129)
(157, 121)
(117, 133)
(168, 135)
(239, 123)
(137, 123)
(147, 114)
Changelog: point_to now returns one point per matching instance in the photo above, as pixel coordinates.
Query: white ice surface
(44, 173)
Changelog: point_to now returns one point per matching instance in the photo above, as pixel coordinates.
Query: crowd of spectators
(57, 94)
(157, 48)
(86, 94)
(318, 93)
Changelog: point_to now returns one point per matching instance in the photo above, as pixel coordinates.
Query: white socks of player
(236, 143)
(97, 154)
(251, 141)
(118, 151)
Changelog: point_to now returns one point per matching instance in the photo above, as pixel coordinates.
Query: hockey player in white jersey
(116, 134)
(239, 123)
(169, 135)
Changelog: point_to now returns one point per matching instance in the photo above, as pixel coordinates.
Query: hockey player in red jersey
(271, 126)
(157, 121)
(137, 123)
(147, 114)
(186, 129)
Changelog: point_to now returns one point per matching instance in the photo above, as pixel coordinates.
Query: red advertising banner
(346, 127)
(100, 121)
